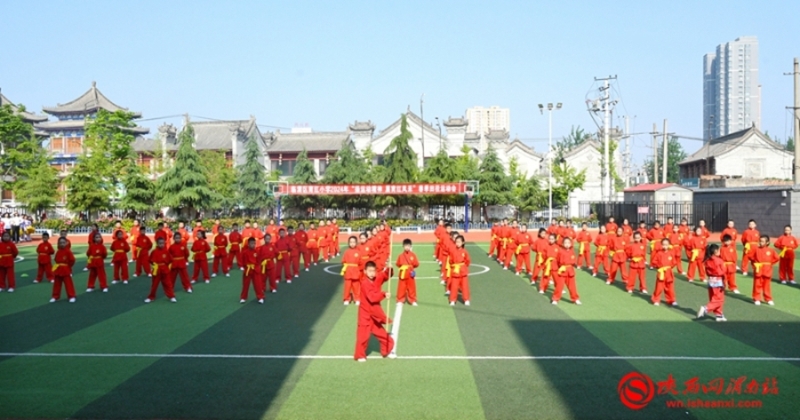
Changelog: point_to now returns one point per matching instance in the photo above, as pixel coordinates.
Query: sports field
(511, 355)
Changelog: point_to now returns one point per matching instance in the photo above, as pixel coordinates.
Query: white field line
(398, 314)
(420, 357)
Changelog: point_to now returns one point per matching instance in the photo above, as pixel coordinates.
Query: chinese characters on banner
(374, 189)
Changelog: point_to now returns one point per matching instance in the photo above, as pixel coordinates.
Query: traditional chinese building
(282, 149)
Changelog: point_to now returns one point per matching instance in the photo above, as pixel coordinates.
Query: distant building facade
(481, 120)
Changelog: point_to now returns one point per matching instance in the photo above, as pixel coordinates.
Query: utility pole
(796, 120)
(655, 154)
(626, 159)
(422, 127)
(606, 108)
(664, 161)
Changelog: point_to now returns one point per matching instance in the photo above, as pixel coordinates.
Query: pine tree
(467, 164)
(184, 185)
(251, 182)
(139, 189)
(22, 149)
(348, 167)
(303, 174)
(87, 189)
(400, 161)
(37, 187)
(495, 185)
(221, 177)
(531, 196)
(441, 168)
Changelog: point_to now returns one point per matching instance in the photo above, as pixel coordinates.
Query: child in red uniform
(142, 254)
(44, 252)
(618, 257)
(371, 317)
(407, 262)
(750, 240)
(8, 252)
(611, 227)
(62, 271)
(584, 239)
(96, 255)
(627, 230)
(548, 255)
(250, 259)
(565, 275)
(729, 257)
(63, 234)
(235, 239)
(301, 237)
(200, 250)
(324, 240)
(294, 253)
(523, 250)
(450, 248)
(695, 246)
(179, 252)
(664, 263)
(119, 259)
(715, 268)
(284, 257)
(786, 244)
(136, 230)
(351, 273)
(266, 264)
(161, 259)
(511, 245)
(601, 243)
(220, 253)
(762, 258)
(335, 238)
(161, 233)
(313, 243)
(636, 252)
(676, 241)
(459, 272)
(654, 236)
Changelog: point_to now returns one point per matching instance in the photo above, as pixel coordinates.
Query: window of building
(286, 167)
(323, 166)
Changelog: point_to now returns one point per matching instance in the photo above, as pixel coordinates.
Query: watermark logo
(635, 390)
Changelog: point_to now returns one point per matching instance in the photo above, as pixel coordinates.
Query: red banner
(373, 189)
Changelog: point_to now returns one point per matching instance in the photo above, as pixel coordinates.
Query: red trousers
(668, 288)
(234, 255)
(762, 284)
(678, 261)
(584, 258)
(200, 266)
(407, 288)
(221, 263)
(561, 281)
(524, 262)
(183, 273)
(296, 262)
(44, 271)
(716, 299)
(68, 284)
(617, 267)
(364, 332)
(600, 261)
(633, 274)
(314, 252)
(269, 276)
(547, 275)
(283, 266)
(730, 279)
(121, 270)
(249, 276)
(786, 268)
(696, 266)
(306, 253)
(96, 273)
(335, 250)
(351, 287)
(162, 278)
(509, 254)
(745, 261)
(323, 251)
(493, 246)
(459, 283)
(538, 269)
(142, 264)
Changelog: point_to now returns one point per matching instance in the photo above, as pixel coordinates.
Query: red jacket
(301, 237)
(407, 262)
(611, 229)
(266, 257)
(786, 244)
(695, 247)
(220, 245)
(200, 248)
(179, 253)
(729, 256)
(730, 232)
(235, 239)
(763, 258)
(602, 242)
(250, 260)
(160, 259)
(584, 238)
(566, 262)
(364, 254)
(637, 253)
(459, 262)
(352, 263)
(715, 267)
(284, 247)
(63, 263)
(750, 236)
(618, 249)
(665, 262)
(313, 239)
(143, 244)
(96, 253)
(44, 251)
(370, 311)
(120, 248)
(524, 241)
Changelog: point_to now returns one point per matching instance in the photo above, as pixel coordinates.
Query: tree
(612, 167)
(22, 150)
(221, 177)
(349, 167)
(400, 161)
(139, 189)
(87, 189)
(576, 137)
(251, 182)
(530, 195)
(467, 164)
(675, 154)
(495, 185)
(566, 179)
(790, 144)
(37, 187)
(303, 174)
(441, 168)
(185, 186)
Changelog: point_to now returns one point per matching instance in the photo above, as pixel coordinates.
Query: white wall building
(481, 119)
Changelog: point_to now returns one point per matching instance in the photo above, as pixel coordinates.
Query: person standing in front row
(351, 260)
(786, 244)
(715, 270)
(762, 258)
(200, 250)
(665, 265)
(565, 275)
(407, 262)
(459, 272)
(750, 240)
(119, 259)
(62, 272)
(96, 256)
(161, 260)
(371, 317)
(729, 256)
(44, 252)
(142, 254)
(179, 252)
(220, 253)
(250, 259)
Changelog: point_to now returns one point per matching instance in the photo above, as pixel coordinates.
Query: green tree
(251, 182)
(87, 189)
(303, 174)
(790, 144)
(139, 189)
(576, 137)
(616, 179)
(22, 150)
(675, 154)
(495, 186)
(531, 196)
(349, 167)
(400, 161)
(566, 179)
(221, 177)
(441, 168)
(185, 186)
(37, 186)
(467, 165)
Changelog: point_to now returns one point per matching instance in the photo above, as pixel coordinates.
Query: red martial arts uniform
(284, 259)
(611, 229)
(407, 262)
(301, 237)
(584, 239)
(8, 253)
(665, 277)
(729, 257)
(266, 267)
(324, 242)
(235, 253)
(161, 260)
(676, 241)
(91, 236)
(161, 234)
(762, 258)
(654, 236)
(294, 254)
(565, 275)
(44, 252)
(548, 254)
(272, 229)
(142, 254)
(62, 273)
(637, 254)
(459, 274)
(511, 247)
(730, 232)
(133, 236)
(523, 251)
(334, 244)
(695, 250)
(371, 317)
(601, 243)
(750, 239)
(249, 275)
(493, 245)
(351, 272)
(200, 250)
(627, 232)
(313, 245)
(618, 257)
(786, 245)
(96, 255)
(715, 269)
(119, 259)
(220, 254)
(180, 255)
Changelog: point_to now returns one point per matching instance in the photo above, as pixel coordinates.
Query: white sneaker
(347, 302)
(591, 268)
(261, 301)
(125, 282)
(533, 283)
(578, 302)
(274, 290)
(208, 281)
(71, 300)
(227, 274)
(289, 281)
(674, 303)
(563, 291)
(150, 275)
(551, 282)
(447, 293)
(721, 319)
(242, 301)
(35, 281)
(296, 276)
(130, 261)
(630, 292)
(87, 290)
(10, 290)
(414, 304)
(783, 281)
(358, 303)
(608, 282)
(362, 360)
(757, 303)
(656, 303)
(771, 303)
(192, 282)
(306, 269)
(105, 290)
(241, 268)
(315, 264)
(52, 300)
(442, 282)
(792, 282)
(213, 275)
(392, 355)
(644, 292)
(736, 291)
(466, 303)
(541, 292)
(147, 301)
(173, 300)
(326, 260)
(744, 273)
(189, 291)
(452, 304)
(701, 312)
(85, 269)
(114, 281)
(555, 302)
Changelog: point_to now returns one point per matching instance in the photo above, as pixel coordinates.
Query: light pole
(440, 132)
(550, 154)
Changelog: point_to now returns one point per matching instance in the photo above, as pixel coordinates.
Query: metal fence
(715, 214)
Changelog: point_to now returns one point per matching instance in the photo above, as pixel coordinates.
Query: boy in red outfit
(200, 250)
(523, 251)
(250, 259)
(324, 240)
(220, 253)
(676, 241)
(636, 252)
(715, 268)
(459, 272)
(119, 258)
(664, 263)
(351, 260)
(301, 237)
(762, 258)
(142, 254)
(729, 257)
(44, 252)
(179, 252)
(313, 243)
(584, 239)
(786, 244)
(96, 255)
(602, 243)
(266, 264)
(548, 254)
(654, 236)
(161, 259)
(565, 275)
(750, 240)
(618, 257)
(284, 257)
(407, 262)
(136, 230)
(334, 238)
(294, 253)
(371, 317)
(235, 253)
(62, 271)
(695, 247)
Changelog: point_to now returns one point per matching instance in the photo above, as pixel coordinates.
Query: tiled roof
(523, 146)
(721, 145)
(651, 187)
(92, 100)
(362, 126)
(63, 125)
(455, 122)
(216, 135)
(313, 142)
(27, 116)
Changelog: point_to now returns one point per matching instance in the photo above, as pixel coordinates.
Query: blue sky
(330, 63)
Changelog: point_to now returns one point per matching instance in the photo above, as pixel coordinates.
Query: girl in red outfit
(584, 240)
(407, 262)
(119, 259)
(179, 253)
(351, 261)
(459, 272)
(44, 252)
(548, 255)
(142, 254)
(715, 269)
(565, 274)
(220, 253)
(371, 318)
(637, 253)
(161, 259)
(96, 255)
(200, 250)
(601, 251)
(664, 262)
(762, 258)
(695, 246)
(786, 244)
(62, 271)
(618, 257)
(250, 259)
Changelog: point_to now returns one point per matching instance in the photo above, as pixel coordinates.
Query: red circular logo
(635, 390)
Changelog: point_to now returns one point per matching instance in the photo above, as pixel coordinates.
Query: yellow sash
(783, 252)
(562, 269)
(540, 259)
(519, 247)
(652, 245)
(120, 251)
(581, 248)
(759, 265)
(547, 266)
(250, 267)
(155, 269)
(747, 248)
(403, 271)
(344, 266)
(457, 268)
(55, 267)
(695, 254)
(601, 249)
(637, 259)
(264, 266)
(662, 272)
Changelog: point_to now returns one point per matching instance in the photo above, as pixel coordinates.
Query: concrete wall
(770, 210)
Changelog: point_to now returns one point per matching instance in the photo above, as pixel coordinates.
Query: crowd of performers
(624, 250)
